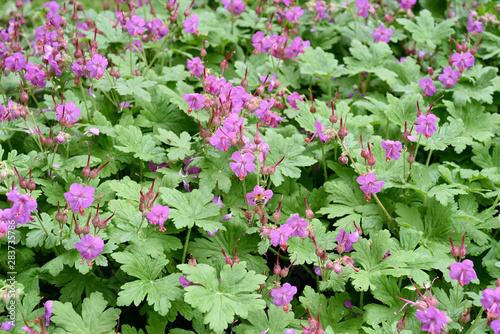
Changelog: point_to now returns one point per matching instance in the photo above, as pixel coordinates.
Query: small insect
(260, 201)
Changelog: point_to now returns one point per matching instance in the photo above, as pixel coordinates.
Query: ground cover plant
(268, 166)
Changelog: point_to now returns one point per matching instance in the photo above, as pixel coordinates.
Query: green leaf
(94, 318)
(109, 34)
(425, 32)
(479, 84)
(490, 43)
(445, 193)
(220, 302)
(275, 321)
(180, 145)
(41, 233)
(134, 87)
(143, 146)
(196, 207)
(305, 249)
(215, 171)
(316, 62)
(451, 133)
(140, 265)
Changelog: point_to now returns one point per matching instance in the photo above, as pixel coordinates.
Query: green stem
(140, 225)
(361, 299)
(186, 246)
(456, 301)
(45, 230)
(245, 195)
(475, 320)
(387, 129)
(130, 50)
(156, 55)
(496, 202)
(428, 159)
(85, 101)
(113, 102)
(324, 162)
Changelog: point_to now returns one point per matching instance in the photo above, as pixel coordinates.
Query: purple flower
(261, 43)
(7, 325)
(407, 4)
(491, 301)
(369, 185)
(317, 271)
(281, 235)
(79, 197)
(77, 69)
(348, 304)
(298, 225)
(382, 34)
(191, 24)
(363, 8)
(292, 99)
(259, 191)
(495, 325)
(392, 149)
(463, 60)
(157, 28)
(242, 164)
(432, 319)
(96, 66)
(427, 86)
(16, 62)
(158, 216)
(90, 247)
(264, 109)
(463, 272)
(294, 14)
(22, 207)
(221, 140)
(319, 132)
(35, 75)
(94, 131)
(52, 6)
(135, 25)
(475, 27)
(69, 112)
(272, 81)
(449, 76)
(426, 125)
(190, 168)
(212, 234)
(283, 295)
(194, 101)
(293, 331)
(348, 239)
(195, 66)
(48, 312)
(185, 282)
(238, 6)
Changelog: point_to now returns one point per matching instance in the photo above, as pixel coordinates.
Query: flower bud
(284, 272)
(430, 71)
(260, 90)
(248, 215)
(343, 160)
(277, 270)
(276, 216)
(497, 283)
(312, 109)
(401, 325)
(319, 252)
(192, 261)
(271, 170)
(244, 83)
(263, 170)
(263, 219)
(341, 248)
(464, 318)
(309, 214)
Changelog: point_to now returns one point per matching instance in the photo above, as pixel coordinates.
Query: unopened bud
(284, 272)
(276, 216)
(271, 170)
(86, 171)
(319, 252)
(401, 325)
(462, 251)
(312, 109)
(343, 160)
(464, 318)
(430, 71)
(341, 248)
(309, 214)
(248, 215)
(263, 219)
(260, 90)
(24, 97)
(333, 119)
(203, 52)
(364, 153)
(263, 170)
(31, 185)
(244, 83)
(277, 270)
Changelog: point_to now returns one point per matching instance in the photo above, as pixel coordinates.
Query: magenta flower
(382, 34)
(294, 14)
(427, 86)
(69, 112)
(195, 66)
(79, 197)
(475, 27)
(221, 140)
(261, 43)
(264, 109)
(77, 69)
(426, 125)
(369, 185)
(258, 190)
(463, 60)
(283, 295)
(363, 8)
(4, 228)
(348, 239)
(7, 325)
(191, 24)
(242, 164)
(22, 207)
(96, 66)
(156, 27)
(292, 99)
(90, 247)
(298, 226)
(491, 301)
(158, 216)
(463, 272)
(135, 26)
(185, 282)
(280, 236)
(272, 81)
(194, 101)
(495, 325)
(238, 6)
(407, 4)
(432, 319)
(48, 311)
(35, 75)
(319, 132)
(16, 62)
(449, 76)
(392, 149)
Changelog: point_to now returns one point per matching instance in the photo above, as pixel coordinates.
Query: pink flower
(264, 109)
(319, 132)
(15, 62)
(369, 185)
(298, 225)
(382, 34)
(135, 25)
(69, 112)
(158, 216)
(292, 99)
(348, 239)
(48, 311)
(221, 140)
(392, 149)
(463, 272)
(463, 60)
(22, 207)
(90, 247)
(449, 76)
(96, 66)
(294, 14)
(407, 4)
(432, 319)
(495, 325)
(491, 301)
(475, 27)
(283, 295)
(280, 236)
(238, 6)
(260, 42)
(427, 86)
(363, 8)
(195, 66)
(242, 164)
(191, 24)
(79, 197)
(194, 101)
(426, 125)
(258, 190)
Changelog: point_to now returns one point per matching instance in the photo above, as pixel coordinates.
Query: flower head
(463, 272)
(191, 24)
(48, 311)
(258, 190)
(79, 197)
(427, 86)
(348, 239)
(426, 125)
(495, 325)
(382, 34)
(135, 26)
(194, 101)
(242, 164)
(298, 225)
(158, 216)
(369, 185)
(15, 62)
(392, 149)
(363, 8)
(432, 319)
(292, 99)
(280, 236)
(449, 76)
(90, 247)
(69, 112)
(283, 295)
(491, 301)
(462, 60)
(196, 66)
(236, 6)
(407, 4)
(96, 66)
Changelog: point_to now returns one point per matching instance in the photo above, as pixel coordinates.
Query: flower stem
(245, 194)
(85, 102)
(428, 159)
(475, 320)
(186, 243)
(456, 301)
(140, 225)
(324, 162)
(130, 50)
